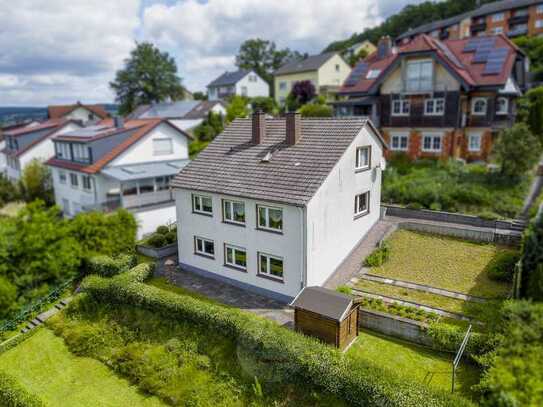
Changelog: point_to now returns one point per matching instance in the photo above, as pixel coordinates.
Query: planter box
(155, 253)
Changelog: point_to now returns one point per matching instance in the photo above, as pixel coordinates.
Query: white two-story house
(241, 82)
(117, 164)
(274, 205)
(33, 142)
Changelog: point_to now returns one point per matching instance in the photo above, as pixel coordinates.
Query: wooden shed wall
(348, 328)
(314, 324)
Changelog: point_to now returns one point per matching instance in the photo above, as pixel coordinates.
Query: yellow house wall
(367, 46)
(291, 79)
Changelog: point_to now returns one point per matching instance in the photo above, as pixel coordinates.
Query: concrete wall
(287, 245)
(332, 230)
(142, 151)
(258, 88)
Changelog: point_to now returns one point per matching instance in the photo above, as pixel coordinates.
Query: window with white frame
(431, 143)
(235, 257)
(373, 73)
(252, 78)
(362, 204)
(434, 107)
(74, 180)
(363, 158)
(337, 67)
(474, 142)
(497, 17)
(401, 107)
(162, 146)
(202, 204)
(399, 142)
(502, 105)
(62, 177)
(538, 23)
(63, 151)
(270, 266)
(86, 182)
(204, 247)
(233, 211)
(419, 75)
(270, 218)
(478, 106)
(130, 188)
(282, 85)
(80, 152)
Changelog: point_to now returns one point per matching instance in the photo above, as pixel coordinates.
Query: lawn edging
(297, 358)
(13, 394)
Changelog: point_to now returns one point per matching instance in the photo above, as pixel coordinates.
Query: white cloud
(206, 36)
(62, 51)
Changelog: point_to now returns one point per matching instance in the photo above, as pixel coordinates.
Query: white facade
(251, 85)
(81, 113)
(315, 239)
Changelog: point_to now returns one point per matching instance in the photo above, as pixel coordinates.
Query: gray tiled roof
(232, 164)
(202, 109)
(435, 25)
(229, 78)
(310, 63)
(323, 301)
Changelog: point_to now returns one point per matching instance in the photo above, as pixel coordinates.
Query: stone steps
(44, 316)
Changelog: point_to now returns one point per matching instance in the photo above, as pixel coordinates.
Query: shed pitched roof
(229, 78)
(328, 303)
(59, 111)
(233, 165)
(311, 63)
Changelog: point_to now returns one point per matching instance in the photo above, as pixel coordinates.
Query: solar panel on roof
(472, 44)
(495, 61)
(356, 74)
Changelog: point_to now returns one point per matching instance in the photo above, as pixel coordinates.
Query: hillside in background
(411, 16)
(11, 114)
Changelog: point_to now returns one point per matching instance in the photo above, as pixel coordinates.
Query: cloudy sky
(59, 51)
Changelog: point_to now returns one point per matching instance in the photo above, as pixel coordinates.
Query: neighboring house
(24, 144)
(274, 205)
(241, 82)
(117, 164)
(355, 49)
(434, 98)
(186, 115)
(10, 127)
(511, 17)
(326, 71)
(82, 112)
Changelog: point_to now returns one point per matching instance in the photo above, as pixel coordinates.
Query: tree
(533, 47)
(236, 108)
(210, 128)
(8, 191)
(263, 57)
(8, 296)
(530, 111)
(316, 110)
(517, 150)
(149, 76)
(353, 59)
(302, 92)
(199, 96)
(265, 104)
(532, 261)
(36, 183)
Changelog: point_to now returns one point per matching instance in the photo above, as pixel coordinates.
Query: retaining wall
(155, 253)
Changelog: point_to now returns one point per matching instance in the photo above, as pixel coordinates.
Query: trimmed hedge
(107, 266)
(12, 394)
(296, 358)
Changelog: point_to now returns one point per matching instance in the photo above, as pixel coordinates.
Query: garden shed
(327, 315)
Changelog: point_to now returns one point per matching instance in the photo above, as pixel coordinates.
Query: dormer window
(401, 107)
(502, 106)
(478, 106)
(64, 151)
(81, 153)
(419, 75)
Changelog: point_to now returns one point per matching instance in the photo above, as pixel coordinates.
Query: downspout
(303, 231)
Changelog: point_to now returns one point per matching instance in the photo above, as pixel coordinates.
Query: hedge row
(12, 394)
(297, 358)
(107, 266)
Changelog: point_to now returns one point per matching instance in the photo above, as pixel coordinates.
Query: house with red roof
(120, 164)
(31, 141)
(438, 99)
(78, 111)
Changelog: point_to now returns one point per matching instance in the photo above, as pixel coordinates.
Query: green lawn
(11, 208)
(442, 262)
(45, 366)
(162, 283)
(416, 362)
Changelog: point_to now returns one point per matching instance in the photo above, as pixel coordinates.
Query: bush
(502, 266)
(378, 256)
(171, 237)
(12, 394)
(297, 359)
(446, 337)
(8, 296)
(107, 266)
(156, 240)
(531, 285)
(345, 289)
(162, 230)
(315, 110)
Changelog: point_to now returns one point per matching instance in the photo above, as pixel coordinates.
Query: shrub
(378, 256)
(502, 266)
(107, 266)
(8, 295)
(162, 230)
(532, 261)
(297, 359)
(315, 110)
(446, 337)
(345, 289)
(171, 237)
(156, 240)
(12, 394)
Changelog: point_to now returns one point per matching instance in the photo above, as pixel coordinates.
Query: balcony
(146, 199)
(478, 27)
(520, 19)
(518, 30)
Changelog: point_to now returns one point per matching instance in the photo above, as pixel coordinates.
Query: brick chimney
(384, 47)
(294, 128)
(259, 127)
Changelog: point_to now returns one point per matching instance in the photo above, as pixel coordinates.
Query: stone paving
(226, 293)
